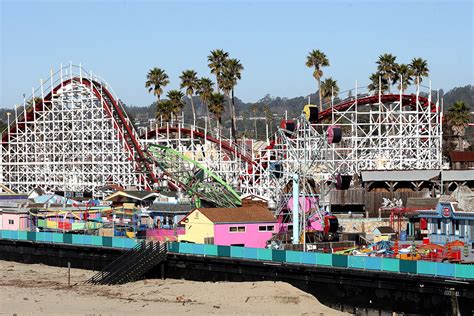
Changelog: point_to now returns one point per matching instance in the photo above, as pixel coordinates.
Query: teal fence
(70, 239)
(447, 270)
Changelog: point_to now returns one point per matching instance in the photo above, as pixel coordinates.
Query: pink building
(162, 234)
(249, 226)
(14, 220)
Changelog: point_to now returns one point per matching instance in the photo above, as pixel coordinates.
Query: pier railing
(284, 257)
(70, 239)
(438, 269)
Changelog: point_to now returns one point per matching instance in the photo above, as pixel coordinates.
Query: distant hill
(465, 94)
(278, 105)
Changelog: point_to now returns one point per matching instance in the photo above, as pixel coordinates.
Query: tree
(190, 81)
(3, 126)
(204, 91)
(268, 117)
(216, 106)
(387, 68)
(165, 110)
(377, 82)
(404, 77)
(216, 61)
(419, 68)
(254, 110)
(329, 89)
(229, 77)
(157, 79)
(318, 60)
(176, 101)
(458, 119)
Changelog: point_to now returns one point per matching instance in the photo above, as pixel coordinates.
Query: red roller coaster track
(109, 103)
(407, 99)
(198, 134)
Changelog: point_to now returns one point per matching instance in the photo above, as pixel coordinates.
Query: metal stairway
(131, 265)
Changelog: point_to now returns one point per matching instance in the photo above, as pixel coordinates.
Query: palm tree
(318, 60)
(176, 101)
(190, 81)
(404, 77)
(216, 106)
(419, 67)
(230, 75)
(204, 91)
(387, 68)
(216, 61)
(254, 110)
(226, 82)
(157, 79)
(266, 110)
(268, 117)
(165, 108)
(458, 118)
(377, 82)
(329, 89)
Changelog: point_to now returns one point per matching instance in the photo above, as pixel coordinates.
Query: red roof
(461, 156)
(250, 214)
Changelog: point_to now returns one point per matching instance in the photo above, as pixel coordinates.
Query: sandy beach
(35, 289)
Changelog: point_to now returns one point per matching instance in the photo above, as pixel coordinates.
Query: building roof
(385, 230)
(461, 156)
(252, 214)
(134, 195)
(171, 208)
(399, 175)
(458, 175)
(414, 203)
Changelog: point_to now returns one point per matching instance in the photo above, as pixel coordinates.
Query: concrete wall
(252, 237)
(197, 227)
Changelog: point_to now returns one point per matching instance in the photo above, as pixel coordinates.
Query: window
(11, 222)
(237, 229)
(268, 228)
(196, 215)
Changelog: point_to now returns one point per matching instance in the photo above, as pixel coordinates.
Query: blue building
(447, 223)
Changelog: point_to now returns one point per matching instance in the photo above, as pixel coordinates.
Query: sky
(122, 40)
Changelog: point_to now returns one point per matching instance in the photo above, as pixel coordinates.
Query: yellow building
(197, 227)
(383, 233)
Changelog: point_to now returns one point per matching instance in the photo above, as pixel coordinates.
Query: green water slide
(193, 177)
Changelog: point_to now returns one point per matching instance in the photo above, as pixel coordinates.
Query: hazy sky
(122, 40)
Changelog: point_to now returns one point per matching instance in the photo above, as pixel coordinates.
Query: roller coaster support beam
(296, 218)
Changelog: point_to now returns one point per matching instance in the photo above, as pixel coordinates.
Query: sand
(35, 289)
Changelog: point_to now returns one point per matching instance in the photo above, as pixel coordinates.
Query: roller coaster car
(334, 134)
(331, 224)
(311, 112)
(288, 125)
(343, 182)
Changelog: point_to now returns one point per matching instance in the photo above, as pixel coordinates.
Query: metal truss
(67, 136)
(77, 136)
(193, 177)
(385, 132)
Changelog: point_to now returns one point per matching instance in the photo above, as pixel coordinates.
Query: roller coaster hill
(75, 135)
